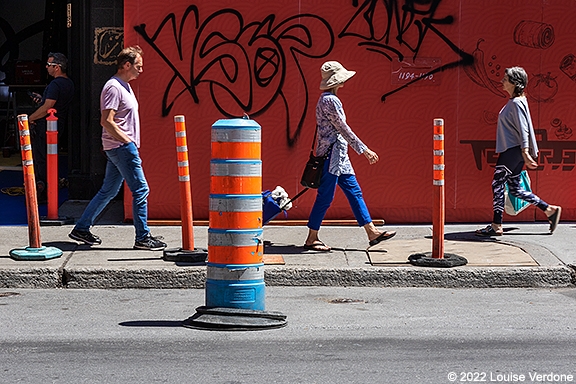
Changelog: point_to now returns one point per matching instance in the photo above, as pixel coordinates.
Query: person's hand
(371, 156)
(36, 97)
(529, 161)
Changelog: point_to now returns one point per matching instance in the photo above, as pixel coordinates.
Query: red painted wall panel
(216, 59)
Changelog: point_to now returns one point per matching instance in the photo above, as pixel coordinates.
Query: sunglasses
(51, 64)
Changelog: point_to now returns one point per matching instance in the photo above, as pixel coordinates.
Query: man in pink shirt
(121, 140)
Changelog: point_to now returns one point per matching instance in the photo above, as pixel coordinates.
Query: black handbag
(313, 169)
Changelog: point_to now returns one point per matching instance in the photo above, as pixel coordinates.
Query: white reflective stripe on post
(235, 203)
(51, 125)
(229, 135)
(244, 273)
(52, 149)
(239, 237)
(238, 168)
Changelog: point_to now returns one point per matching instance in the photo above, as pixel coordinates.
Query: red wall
(217, 59)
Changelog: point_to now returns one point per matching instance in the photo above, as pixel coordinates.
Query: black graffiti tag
(397, 29)
(244, 66)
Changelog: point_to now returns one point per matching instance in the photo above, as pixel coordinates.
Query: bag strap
(314, 139)
(314, 143)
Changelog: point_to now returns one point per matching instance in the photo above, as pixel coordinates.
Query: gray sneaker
(85, 237)
(150, 243)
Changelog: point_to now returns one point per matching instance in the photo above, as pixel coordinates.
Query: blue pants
(124, 163)
(325, 196)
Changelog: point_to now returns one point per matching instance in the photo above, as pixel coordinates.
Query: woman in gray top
(516, 146)
(334, 136)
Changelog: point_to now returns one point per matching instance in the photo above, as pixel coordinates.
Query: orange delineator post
(184, 178)
(438, 208)
(29, 183)
(52, 164)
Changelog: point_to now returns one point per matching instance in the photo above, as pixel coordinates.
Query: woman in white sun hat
(334, 136)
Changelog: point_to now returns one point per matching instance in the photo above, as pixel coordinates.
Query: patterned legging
(508, 168)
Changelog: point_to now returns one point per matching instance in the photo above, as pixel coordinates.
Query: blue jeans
(124, 163)
(325, 196)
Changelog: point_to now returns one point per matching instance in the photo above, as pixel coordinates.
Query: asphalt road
(334, 335)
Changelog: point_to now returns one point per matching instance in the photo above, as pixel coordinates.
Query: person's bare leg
(373, 233)
(314, 241)
(551, 210)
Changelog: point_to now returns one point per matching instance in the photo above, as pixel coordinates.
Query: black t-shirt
(60, 89)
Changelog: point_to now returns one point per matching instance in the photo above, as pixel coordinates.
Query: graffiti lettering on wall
(396, 31)
(246, 68)
(560, 154)
(108, 42)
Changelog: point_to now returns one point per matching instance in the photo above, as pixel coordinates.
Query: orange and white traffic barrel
(235, 269)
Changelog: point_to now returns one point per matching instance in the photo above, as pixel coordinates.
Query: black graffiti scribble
(397, 29)
(558, 153)
(247, 67)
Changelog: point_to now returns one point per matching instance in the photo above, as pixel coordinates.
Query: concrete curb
(31, 278)
(190, 278)
(519, 277)
(195, 277)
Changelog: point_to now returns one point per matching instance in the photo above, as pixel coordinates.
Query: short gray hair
(59, 58)
(518, 77)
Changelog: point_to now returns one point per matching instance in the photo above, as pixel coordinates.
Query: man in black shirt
(58, 95)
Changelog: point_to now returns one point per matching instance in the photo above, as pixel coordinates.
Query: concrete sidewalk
(526, 256)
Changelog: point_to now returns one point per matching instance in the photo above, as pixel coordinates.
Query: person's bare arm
(528, 160)
(42, 110)
(107, 121)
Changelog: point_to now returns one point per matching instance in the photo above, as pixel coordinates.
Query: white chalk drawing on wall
(108, 42)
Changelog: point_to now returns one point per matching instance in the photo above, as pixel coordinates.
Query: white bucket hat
(333, 74)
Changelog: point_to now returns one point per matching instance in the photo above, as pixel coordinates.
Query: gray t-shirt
(515, 127)
(118, 96)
